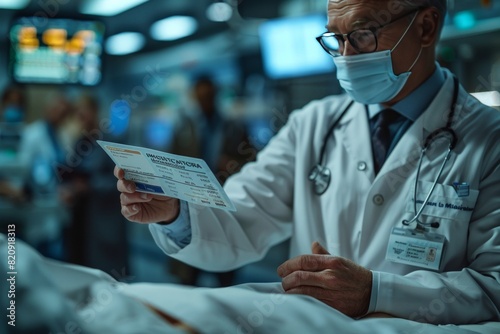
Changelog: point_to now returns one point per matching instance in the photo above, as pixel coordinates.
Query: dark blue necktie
(381, 136)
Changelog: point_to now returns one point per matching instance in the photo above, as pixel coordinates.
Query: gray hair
(440, 5)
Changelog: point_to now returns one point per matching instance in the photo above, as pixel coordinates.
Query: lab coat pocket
(446, 202)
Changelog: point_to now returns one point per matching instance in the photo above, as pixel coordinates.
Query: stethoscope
(321, 176)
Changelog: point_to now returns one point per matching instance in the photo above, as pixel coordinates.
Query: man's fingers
(318, 249)
(127, 199)
(119, 173)
(298, 279)
(307, 263)
(130, 211)
(125, 186)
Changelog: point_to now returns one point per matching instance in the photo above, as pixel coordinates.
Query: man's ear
(430, 22)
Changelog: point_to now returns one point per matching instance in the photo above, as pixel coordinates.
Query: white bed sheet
(56, 294)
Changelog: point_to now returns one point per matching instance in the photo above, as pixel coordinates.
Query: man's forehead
(353, 14)
(381, 3)
(374, 7)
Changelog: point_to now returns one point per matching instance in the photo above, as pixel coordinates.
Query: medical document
(166, 174)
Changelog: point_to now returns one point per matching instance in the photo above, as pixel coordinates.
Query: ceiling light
(174, 27)
(13, 4)
(124, 43)
(219, 12)
(108, 7)
(464, 20)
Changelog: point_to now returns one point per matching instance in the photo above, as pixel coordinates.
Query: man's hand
(338, 282)
(144, 208)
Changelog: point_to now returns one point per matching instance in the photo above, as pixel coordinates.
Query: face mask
(369, 78)
(12, 114)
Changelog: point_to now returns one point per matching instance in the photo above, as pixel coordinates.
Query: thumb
(318, 249)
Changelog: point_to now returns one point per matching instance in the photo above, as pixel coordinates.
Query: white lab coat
(354, 218)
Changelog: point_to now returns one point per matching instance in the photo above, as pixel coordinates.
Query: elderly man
(398, 180)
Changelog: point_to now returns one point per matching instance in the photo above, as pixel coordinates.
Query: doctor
(412, 233)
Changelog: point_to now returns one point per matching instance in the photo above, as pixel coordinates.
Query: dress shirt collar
(415, 104)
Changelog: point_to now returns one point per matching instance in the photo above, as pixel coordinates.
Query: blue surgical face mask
(12, 114)
(369, 77)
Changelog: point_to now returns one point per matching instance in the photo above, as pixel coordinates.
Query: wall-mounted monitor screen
(289, 47)
(56, 51)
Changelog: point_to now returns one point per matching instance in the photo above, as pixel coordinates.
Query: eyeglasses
(362, 40)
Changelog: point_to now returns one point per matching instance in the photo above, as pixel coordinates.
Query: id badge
(413, 248)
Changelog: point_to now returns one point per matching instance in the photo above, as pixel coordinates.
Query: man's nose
(349, 50)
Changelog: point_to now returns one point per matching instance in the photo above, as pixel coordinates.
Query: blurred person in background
(9, 192)
(210, 136)
(42, 149)
(216, 140)
(12, 110)
(13, 105)
(95, 236)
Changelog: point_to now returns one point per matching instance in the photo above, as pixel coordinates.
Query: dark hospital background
(205, 78)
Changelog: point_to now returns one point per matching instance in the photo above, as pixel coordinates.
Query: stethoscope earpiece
(421, 225)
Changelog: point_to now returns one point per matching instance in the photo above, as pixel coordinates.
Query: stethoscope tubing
(330, 131)
(429, 194)
(434, 135)
(428, 141)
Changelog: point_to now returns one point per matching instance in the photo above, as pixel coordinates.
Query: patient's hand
(338, 282)
(144, 208)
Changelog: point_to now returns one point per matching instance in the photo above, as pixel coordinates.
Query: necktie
(381, 136)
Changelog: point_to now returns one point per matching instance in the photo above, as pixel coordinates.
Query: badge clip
(462, 189)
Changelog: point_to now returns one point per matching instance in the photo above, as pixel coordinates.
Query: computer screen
(56, 51)
(289, 47)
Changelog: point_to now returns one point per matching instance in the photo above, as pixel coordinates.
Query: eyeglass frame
(372, 29)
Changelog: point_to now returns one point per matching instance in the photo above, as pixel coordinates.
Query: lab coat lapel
(407, 152)
(356, 139)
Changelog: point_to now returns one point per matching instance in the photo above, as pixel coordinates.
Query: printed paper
(171, 175)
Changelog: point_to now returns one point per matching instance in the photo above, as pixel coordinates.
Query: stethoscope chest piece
(320, 176)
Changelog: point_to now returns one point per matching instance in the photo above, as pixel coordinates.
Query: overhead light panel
(125, 43)
(13, 4)
(464, 20)
(174, 27)
(108, 7)
(219, 12)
